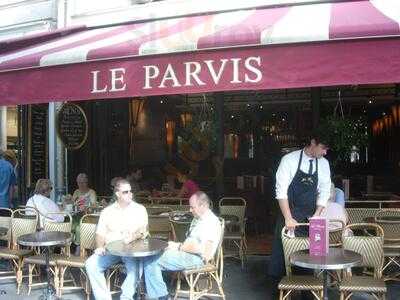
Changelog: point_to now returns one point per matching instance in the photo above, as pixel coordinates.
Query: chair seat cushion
(300, 282)
(14, 253)
(41, 259)
(72, 261)
(363, 284)
(203, 269)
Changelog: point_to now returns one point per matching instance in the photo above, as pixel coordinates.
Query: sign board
(72, 126)
(37, 143)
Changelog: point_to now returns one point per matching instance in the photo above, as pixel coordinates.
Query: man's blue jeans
(170, 260)
(96, 265)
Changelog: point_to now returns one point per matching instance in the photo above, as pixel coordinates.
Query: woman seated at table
(43, 204)
(84, 196)
(189, 187)
(334, 211)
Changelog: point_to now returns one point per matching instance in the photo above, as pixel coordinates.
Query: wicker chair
(358, 214)
(5, 222)
(236, 231)
(290, 282)
(212, 271)
(391, 246)
(371, 249)
(88, 225)
(157, 210)
(23, 221)
(159, 227)
(39, 258)
(179, 230)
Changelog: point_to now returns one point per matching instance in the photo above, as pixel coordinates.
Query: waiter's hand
(290, 223)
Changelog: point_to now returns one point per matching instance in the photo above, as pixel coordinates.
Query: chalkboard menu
(72, 126)
(38, 142)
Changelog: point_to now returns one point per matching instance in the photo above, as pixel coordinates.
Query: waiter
(303, 182)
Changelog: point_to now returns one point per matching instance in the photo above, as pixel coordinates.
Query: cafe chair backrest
(23, 221)
(160, 227)
(335, 235)
(391, 227)
(218, 259)
(179, 229)
(369, 245)
(52, 225)
(157, 210)
(5, 221)
(358, 214)
(235, 206)
(291, 245)
(88, 226)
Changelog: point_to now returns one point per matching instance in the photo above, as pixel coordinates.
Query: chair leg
(60, 289)
(57, 279)
(178, 286)
(18, 275)
(342, 295)
(30, 277)
(280, 294)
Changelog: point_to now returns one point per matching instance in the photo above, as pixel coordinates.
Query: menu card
(319, 236)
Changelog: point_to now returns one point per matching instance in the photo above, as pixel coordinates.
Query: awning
(351, 42)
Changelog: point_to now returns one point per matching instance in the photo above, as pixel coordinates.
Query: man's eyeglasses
(126, 192)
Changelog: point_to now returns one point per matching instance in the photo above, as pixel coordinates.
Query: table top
(336, 259)
(138, 248)
(3, 231)
(45, 238)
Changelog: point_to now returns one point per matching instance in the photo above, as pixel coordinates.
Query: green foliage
(343, 133)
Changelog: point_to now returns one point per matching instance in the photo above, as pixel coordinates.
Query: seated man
(123, 220)
(199, 247)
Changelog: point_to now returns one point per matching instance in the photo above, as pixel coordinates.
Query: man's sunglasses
(126, 192)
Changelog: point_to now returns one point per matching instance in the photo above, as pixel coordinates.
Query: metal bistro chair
(212, 271)
(21, 223)
(235, 232)
(389, 220)
(290, 282)
(39, 258)
(87, 225)
(371, 249)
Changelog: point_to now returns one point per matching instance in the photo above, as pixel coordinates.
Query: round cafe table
(45, 239)
(138, 249)
(337, 259)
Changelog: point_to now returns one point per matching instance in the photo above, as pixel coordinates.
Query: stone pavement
(248, 284)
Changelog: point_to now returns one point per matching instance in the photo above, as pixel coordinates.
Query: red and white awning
(353, 42)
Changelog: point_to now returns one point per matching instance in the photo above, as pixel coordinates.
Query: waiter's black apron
(302, 198)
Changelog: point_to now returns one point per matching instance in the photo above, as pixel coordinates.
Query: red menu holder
(319, 236)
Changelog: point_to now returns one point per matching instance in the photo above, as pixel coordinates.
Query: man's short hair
(120, 182)
(202, 198)
(43, 186)
(319, 137)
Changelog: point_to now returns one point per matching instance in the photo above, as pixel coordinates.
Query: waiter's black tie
(310, 167)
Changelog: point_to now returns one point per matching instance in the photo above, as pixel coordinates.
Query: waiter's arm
(324, 186)
(285, 209)
(284, 176)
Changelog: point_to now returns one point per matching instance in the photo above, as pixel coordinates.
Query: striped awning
(351, 42)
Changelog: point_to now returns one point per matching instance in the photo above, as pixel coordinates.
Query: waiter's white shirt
(288, 167)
